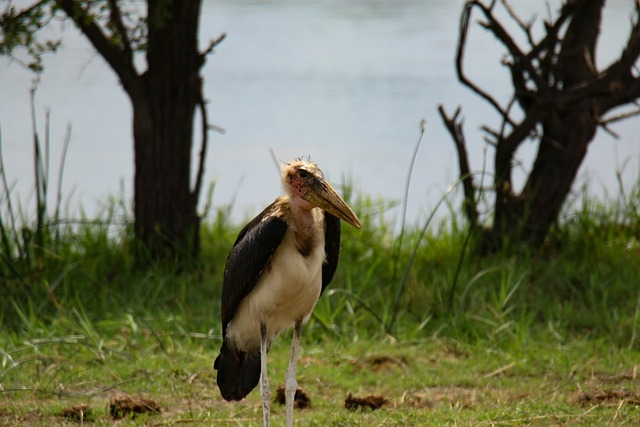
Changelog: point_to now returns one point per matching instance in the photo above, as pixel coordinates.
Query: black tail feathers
(238, 372)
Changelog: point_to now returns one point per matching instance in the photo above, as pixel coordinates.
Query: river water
(346, 82)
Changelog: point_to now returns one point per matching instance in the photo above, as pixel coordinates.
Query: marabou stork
(278, 267)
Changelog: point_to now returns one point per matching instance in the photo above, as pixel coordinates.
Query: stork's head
(304, 180)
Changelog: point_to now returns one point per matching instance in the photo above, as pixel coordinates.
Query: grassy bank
(444, 336)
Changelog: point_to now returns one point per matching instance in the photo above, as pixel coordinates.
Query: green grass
(549, 336)
(545, 337)
(427, 382)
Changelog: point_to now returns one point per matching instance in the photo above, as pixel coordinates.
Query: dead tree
(563, 97)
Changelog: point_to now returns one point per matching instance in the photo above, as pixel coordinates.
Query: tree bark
(567, 131)
(164, 104)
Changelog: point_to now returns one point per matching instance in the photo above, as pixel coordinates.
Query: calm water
(346, 82)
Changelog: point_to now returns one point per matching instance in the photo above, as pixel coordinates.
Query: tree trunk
(164, 103)
(567, 130)
(164, 99)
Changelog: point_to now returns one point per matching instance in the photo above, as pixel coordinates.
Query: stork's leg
(265, 389)
(290, 383)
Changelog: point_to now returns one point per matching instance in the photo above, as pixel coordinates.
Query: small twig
(218, 129)
(619, 117)
(213, 44)
(526, 28)
(499, 370)
(491, 132)
(610, 131)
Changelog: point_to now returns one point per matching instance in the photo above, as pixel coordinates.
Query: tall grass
(585, 283)
(76, 278)
(25, 239)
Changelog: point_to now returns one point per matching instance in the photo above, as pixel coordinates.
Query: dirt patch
(310, 361)
(11, 419)
(418, 401)
(456, 396)
(123, 405)
(372, 402)
(301, 400)
(384, 362)
(606, 397)
(79, 413)
(631, 375)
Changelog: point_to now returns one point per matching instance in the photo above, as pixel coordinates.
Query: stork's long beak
(322, 194)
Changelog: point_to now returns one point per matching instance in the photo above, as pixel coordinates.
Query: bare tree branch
(464, 30)
(116, 18)
(619, 117)
(507, 146)
(454, 126)
(516, 53)
(526, 28)
(117, 59)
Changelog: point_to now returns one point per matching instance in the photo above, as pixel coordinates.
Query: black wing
(250, 255)
(331, 248)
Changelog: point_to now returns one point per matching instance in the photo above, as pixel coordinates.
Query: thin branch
(26, 11)
(490, 132)
(551, 38)
(526, 28)
(454, 126)
(212, 45)
(622, 68)
(507, 147)
(516, 53)
(610, 131)
(218, 129)
(116, 18)
(462, 41)
(619, 117)
(116, 58)
(203, 149)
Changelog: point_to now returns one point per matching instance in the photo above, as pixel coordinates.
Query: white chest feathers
(288, 289)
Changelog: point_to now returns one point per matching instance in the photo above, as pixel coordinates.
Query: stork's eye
(303, 173)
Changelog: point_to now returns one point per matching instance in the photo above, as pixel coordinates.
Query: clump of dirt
(372, 402)
(79, 413)
(301, 399)
(607, 397)
(122, 405)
